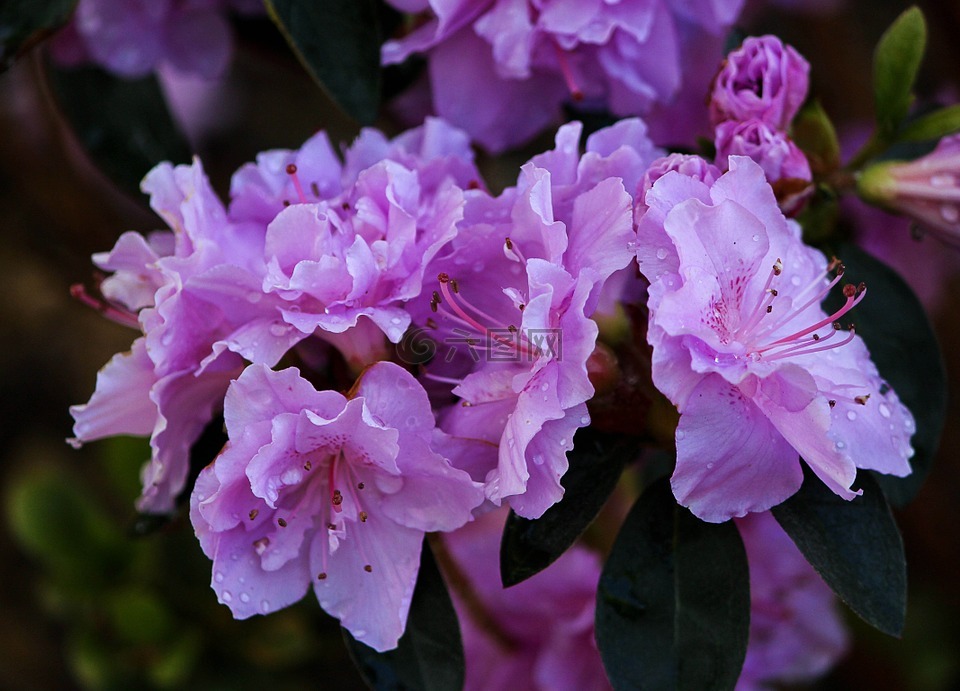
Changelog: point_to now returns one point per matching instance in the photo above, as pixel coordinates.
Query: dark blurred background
(86, 603)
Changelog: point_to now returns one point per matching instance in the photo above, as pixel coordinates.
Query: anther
(360, 485)
(862, 400)
(322, 576)
(261, 545)
(282, 523)
(473, 185)
(509, 243)
(368, 568)
(337, 498)
(315, 188)
(253, 513)
(291, 169)
(443, 277)
(431, 324)
(849, 291)
(307, 466)
(331, 526)
(454, 285)
(777, 267)
(363, 516)
(345, 206)
(769, 309)
(832, 403)
(773, 292)
(816, 337)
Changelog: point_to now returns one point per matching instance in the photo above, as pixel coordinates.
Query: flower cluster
(501, 69)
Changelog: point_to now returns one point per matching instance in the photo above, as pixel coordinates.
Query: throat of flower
(761, 329)
(455, 307)
(343, 482)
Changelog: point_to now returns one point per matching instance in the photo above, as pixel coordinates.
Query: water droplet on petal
(950, 213)
(755, 238)
(563, 442)
(254, 297)
(795, 280)
(840, 445)
(278, 330)
(710, 465)
(681, 434)
(264, 606)
(662, 253)
(412, 421)
(584, 419)
(244, 598)
(884, 410)
(218, 577)
(544, 386)
(226, 596)
(942, 180)
(538, 459)
(396, 321)
(851, 415)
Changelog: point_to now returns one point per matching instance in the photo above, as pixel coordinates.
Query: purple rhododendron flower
(131, 38)
(796, 632)
(539, 633)
(502, 68)
(779, 157)
(762, 79)
(249, 284)
(743, 349)
(519, 284)
(315, 488)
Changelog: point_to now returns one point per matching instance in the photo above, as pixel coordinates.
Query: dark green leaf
(338, 42)
(673, 604)
(902, 344)
(896, 61)
(430, 654)
(933, 125)
(854, 545)
(529, 546)
(815, 135)
(123, 124)
(24, 23)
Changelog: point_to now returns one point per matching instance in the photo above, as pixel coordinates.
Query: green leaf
(338, 42)
(24, 23)
(673, 604)
(815, 135)
(429, 656)
(903, 346)
(123, 124)
(896, 61)
(935, 125)
(855, 546)
(596, 463)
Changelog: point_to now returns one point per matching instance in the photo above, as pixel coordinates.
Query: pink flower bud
(926, 189)
(762, 79)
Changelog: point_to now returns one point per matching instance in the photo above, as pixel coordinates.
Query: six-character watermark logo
(422, 345)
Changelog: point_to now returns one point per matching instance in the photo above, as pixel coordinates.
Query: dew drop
(662, 253)
(795, 280)
(584, 419)
(710, 465)
(244, 598)
(544, 386)
(412, 421)
(290, 477)
(278, 330)
(254, 297)
(755, 238)
(950, 213)
(396, 321)
(264, 606)
(851, 415)
(681, 434)
(234, 557)
(226, 596)
(478, 266)
(218, 577)
(941, 180)
(840, 445)
(563, 442)
(884, 410)
(538, 459)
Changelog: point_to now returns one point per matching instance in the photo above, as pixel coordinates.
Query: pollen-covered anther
(368, 568)
(862, 400)
(337, 498)
(363, 517)
(777, 267)
(322, 576)
(360, 485)
(282, 523)
(832, 403)
(307, 466)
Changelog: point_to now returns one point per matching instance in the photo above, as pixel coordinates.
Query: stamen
(575, 93)
(292, 172)
(513, 252)
(253, 513)
(110, 310)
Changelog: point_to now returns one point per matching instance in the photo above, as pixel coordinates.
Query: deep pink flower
(796, 632)
(743, 349)
(779, 157)
(540, 632)
(763, 79)
(315, 488)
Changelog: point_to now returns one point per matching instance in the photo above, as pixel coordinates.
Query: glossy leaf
(529, 546)
(935, 125)
(338, 42)
(124, 125)
(24, 23)
(673, 604)
(902, 344)
(429, 656)
(896, 61)
(855, 546)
